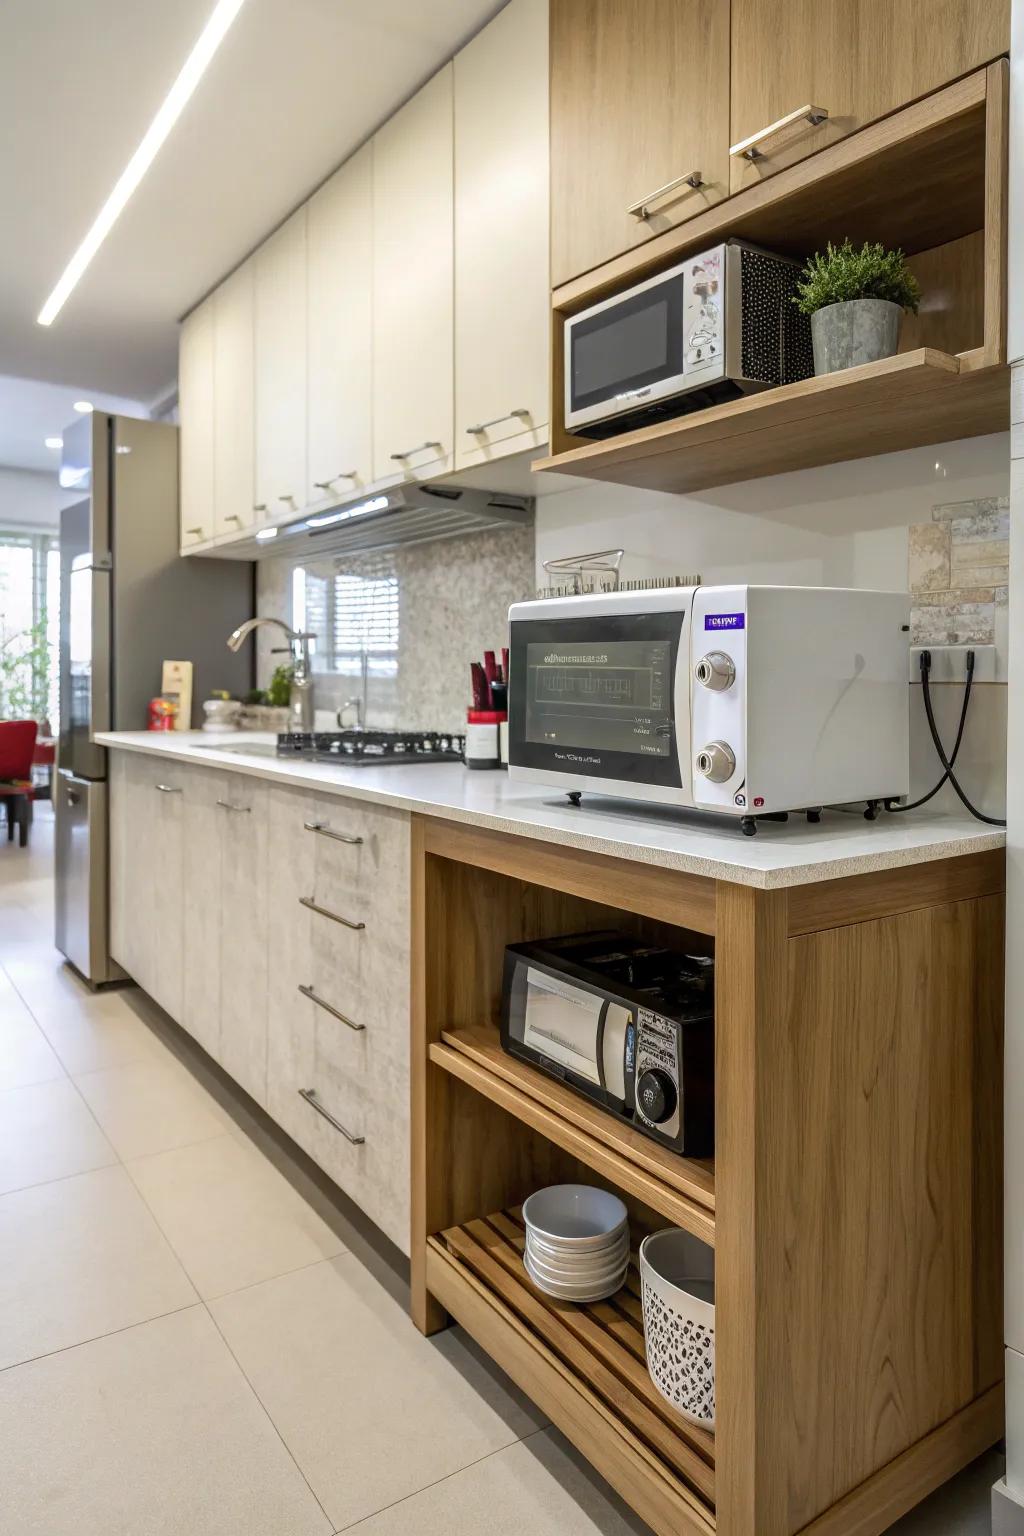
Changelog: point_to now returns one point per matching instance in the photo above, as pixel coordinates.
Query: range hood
(405, 514)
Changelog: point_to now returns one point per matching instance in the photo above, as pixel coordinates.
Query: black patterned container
(677, 1275)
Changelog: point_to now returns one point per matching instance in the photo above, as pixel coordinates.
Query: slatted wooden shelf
(592, 1356)
(681, 1189)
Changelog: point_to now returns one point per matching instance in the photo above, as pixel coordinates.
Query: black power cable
(948, 763)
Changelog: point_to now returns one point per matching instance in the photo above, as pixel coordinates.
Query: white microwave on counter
(742, 700)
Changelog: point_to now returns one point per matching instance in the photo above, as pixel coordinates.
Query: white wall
(29, 500)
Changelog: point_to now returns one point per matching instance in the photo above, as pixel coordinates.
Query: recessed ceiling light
(210, 39)
(85, 406)
(54, 442)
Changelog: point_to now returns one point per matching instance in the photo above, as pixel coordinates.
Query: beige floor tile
(229, 1215)
(535, 1488)
(93, 1033)
(25, 1054)
(370, 1409)
(152, 1106)
(148, 1432)
(79, 1258)
(46, 1132)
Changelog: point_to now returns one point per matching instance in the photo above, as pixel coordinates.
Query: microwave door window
(630, 346)
(611, 697)
(562, 1024)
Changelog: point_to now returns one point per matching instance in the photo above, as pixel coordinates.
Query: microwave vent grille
(588, 586)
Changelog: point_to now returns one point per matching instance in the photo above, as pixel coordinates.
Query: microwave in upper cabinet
(714, 327)
(741, 700)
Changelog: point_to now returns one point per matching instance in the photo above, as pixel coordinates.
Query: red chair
(17, 745)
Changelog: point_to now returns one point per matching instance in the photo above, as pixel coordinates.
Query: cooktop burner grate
(364, 748)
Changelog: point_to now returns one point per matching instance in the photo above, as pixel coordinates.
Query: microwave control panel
(704, 278)
(658, 1070)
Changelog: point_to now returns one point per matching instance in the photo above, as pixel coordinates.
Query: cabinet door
(195, 414)
(201, 862)
(856, 59)
(244, 932)
(639, 99)
(340, 329)
(412, 286)
(233, 402)
(167, 840)
(281, 370)
(502, 298)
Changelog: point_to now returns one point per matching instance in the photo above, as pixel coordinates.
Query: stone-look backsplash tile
(957, 570)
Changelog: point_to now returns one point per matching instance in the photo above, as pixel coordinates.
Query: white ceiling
(295, 87)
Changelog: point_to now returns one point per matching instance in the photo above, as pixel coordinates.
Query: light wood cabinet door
(502, 285)
(413, 318)
(639, 99)
(200, 1014)
(856, 59)
(195, 414)
(234, 443)
(340, 328)
(244, 932)
(281, 371)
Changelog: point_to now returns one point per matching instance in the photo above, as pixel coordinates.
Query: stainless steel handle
(227, 805)
(168, 789)
(232, 517)
(343, 474)
(326, 831)
(287, 497)
(748, 148)
(346, 922)
(309, 1094)
(642, 209)
(322, 1002)
(73, 796)
(195, 530)
(481, 426)
(259, 506)
(420, 448)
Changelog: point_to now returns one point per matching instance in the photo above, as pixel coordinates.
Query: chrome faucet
(301, 716)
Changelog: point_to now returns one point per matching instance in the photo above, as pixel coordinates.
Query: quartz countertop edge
(782, 854)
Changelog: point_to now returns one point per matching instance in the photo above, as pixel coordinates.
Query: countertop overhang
(782, 854)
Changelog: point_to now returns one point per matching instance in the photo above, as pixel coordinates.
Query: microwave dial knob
(715, 670)
(656, 1096)
(717, 762)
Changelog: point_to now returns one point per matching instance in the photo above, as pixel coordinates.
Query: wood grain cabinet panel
(639, 98)
(244, 933)
(202, 916)
(195, 395)
(233, 421)
(281, 371)
(857, 59)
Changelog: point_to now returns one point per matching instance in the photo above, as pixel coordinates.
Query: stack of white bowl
(577, 1242)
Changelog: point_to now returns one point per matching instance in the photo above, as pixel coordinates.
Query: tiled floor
(196, 1340)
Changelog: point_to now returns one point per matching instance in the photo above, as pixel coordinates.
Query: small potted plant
(855, 299)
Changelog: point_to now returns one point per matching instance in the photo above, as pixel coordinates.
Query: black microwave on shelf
(625, 1023)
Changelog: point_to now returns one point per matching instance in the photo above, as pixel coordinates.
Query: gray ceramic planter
(857, 331)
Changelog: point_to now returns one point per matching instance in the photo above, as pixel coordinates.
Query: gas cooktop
(367, 748)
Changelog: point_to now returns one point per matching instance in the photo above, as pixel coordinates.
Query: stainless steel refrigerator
(128, 602)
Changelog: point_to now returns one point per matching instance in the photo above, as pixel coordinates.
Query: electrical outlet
(949, 663)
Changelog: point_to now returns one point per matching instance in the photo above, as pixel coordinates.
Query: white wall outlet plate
(949, 663)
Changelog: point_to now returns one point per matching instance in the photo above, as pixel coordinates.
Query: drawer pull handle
(322, 1002)
(326, 831)
(519, 411)
(168, 789)
(420, 448)
(336, 917)
(309, 1094)
(227, 806)
(343, 474)
(749, 148)
(199, 531)
(642, 209)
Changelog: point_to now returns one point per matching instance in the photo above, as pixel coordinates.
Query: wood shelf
(584, 1364)
(679, 1188)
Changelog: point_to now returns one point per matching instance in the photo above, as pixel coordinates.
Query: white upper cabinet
(340, 329)
(233, 433)
(195, 394)
(502, 291)
(281, 371)
(413, 397)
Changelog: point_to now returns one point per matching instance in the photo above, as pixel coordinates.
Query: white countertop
(782, 854)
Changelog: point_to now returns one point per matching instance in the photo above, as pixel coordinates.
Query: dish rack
(600, 571)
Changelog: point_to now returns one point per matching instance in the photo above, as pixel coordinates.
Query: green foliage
(846, 273)
(24, 673)
(280, 691)
(255, 696)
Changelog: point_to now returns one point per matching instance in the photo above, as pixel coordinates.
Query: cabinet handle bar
(336, 917)
(420, 448)
(227, 806)
(642, 209)
(748, 148)
(322, 1002)
(481, 426)
(326, 831)
(309, 1094)
(168, 789)
(343, 474)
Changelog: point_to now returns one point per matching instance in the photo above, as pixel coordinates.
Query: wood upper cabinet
(339, 244)
(195, 394)
(502, 300)
(233, 433)
(856, 59)
(639, 99)
(281, 371)
(412, 286)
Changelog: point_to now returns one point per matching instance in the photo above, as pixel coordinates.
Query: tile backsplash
(958, 572)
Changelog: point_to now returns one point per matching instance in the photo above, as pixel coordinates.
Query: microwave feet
(748, 825)
(575, 796)
(871, 810)
(814, 814)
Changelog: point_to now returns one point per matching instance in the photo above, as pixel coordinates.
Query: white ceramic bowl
(594, 1274)
(593, 1291)
(578, 1216)
(573, 1258)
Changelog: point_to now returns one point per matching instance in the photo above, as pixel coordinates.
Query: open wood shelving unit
(930, 178)
(858, 1273)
